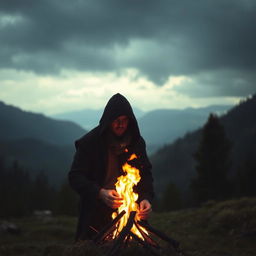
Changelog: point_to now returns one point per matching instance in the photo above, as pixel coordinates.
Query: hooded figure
(98, 162)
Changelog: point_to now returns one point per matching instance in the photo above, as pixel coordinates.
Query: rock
(8, 227)
(43, 215)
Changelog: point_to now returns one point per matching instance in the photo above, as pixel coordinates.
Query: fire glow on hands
(114, 201)
(144, 210)
(111, 198)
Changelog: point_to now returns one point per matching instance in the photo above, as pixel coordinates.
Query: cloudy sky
(62, 55)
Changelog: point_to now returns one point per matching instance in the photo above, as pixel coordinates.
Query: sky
(59, 55)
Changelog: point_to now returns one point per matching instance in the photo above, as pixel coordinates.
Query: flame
(124, 187)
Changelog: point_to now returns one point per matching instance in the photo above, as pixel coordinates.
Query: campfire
(124, 187)
(126, 226)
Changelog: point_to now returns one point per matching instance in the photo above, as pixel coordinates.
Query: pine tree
(16, 191)
(213, 163)
(19, 195)
(43, 195)
(2, 185)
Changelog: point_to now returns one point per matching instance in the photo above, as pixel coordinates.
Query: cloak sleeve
(79, 175)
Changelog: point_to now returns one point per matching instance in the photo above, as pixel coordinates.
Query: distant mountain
(88, 118)
(163, 126)
(37, 142)
(175, 163)
(18, 124)
(158, 127)
(36, 156)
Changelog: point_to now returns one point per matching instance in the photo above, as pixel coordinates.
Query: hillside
(37, 142)
(36, 156)
(18, 124)
(163, 126)
(174, 163)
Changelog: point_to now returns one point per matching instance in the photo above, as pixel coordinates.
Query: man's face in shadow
(119, 125)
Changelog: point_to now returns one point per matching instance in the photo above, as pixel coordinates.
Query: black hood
(117, 106)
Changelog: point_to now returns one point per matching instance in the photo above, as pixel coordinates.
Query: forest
(21, 195)
(216, 162)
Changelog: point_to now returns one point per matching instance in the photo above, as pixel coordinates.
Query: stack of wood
(126, 235)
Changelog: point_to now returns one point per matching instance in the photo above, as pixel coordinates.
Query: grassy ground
(50, 236)
(226, 228)
(216, 229)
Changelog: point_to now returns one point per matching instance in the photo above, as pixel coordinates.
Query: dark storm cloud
(165, 37)
(227, 83)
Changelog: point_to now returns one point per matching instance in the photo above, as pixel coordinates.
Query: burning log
(124, 233)
(108, 228)
(160, 234)
(146, 237)
(127, 234)
(144, 244)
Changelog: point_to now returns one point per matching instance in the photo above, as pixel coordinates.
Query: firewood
(146, 237)
(123, 234)
(160, 234)
(108, 228)
(145, 244)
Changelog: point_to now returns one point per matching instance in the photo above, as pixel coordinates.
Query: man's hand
(111, 198)
(145, 209)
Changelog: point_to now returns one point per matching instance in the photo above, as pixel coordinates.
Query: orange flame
(124, 187)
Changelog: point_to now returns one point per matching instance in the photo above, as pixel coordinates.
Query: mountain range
(37, 142)
(174, 163)
(163, 126)
(158, 127)
(19, 124)
(88, 118)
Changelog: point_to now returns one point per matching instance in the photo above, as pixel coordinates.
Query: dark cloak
(88, 169)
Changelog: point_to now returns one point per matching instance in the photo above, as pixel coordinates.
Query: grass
(50, 236)
(216, 229)
(224, 228)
